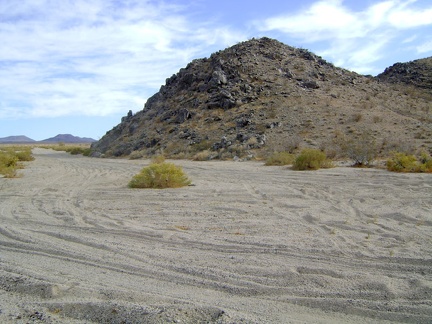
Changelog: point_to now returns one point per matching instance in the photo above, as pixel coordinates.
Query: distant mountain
(68, 138)
(16, 139)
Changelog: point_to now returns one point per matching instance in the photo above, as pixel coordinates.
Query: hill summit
(262, 96)
(418, 73)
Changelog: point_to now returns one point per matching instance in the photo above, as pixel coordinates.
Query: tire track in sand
(263, 244)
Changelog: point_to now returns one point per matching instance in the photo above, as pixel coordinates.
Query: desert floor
(245, 244)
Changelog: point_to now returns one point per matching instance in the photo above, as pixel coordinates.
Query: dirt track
(246, 243)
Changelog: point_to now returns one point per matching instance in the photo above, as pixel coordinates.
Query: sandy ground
(245, 244)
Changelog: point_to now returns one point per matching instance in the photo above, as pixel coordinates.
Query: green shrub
(280, 158)
(8, 164)
(87, 151)
(75, 150)
(311, 159)
(401, 162)
(159, 176)
(10, 158)
(24, 155)
(83, 149)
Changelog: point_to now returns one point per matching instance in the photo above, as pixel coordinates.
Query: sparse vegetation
(10, 158)
(401, 162)
(362, 151)
(311, 159)
(280, 158)
(202, 156)
(75, 150)
(136, 155)
(159, 176)
(83, 149)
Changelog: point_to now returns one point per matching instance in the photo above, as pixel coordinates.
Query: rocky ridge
(261, 96)
(417, 73)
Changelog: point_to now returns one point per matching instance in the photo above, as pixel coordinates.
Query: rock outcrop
(417, 73)
(260, 96)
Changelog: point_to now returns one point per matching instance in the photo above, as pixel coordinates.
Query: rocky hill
(262, 96)
(417, 73)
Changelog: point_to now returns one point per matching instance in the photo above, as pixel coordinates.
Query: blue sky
(78, 66)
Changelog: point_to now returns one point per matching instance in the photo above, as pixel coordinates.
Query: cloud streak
(353, 39)
(104, 57)
(84, 57)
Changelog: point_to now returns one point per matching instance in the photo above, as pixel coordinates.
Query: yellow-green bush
(160, 176)
(75, 150)
(401, 162)
(10, 158)
(311, 159)
(8, 164)
(83, 149)
(280, 158)
(24, 154)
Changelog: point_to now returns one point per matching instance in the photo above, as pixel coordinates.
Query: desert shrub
(8, 164)
(136, 155)
(401, 162)
(201, 146)
(311, 159)
(160, 176)
(75, 150)
(10, 158)
(362, 151)
(87, 151)
(280, 158)
(71, 149)
(24, 154)
(202, 156)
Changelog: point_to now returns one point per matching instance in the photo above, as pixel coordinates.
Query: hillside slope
(261, 96)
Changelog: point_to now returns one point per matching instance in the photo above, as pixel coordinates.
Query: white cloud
(404, 18)
(321, 21)
(93, 57)
(101, 57)
(354, 39)
(426, 47)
